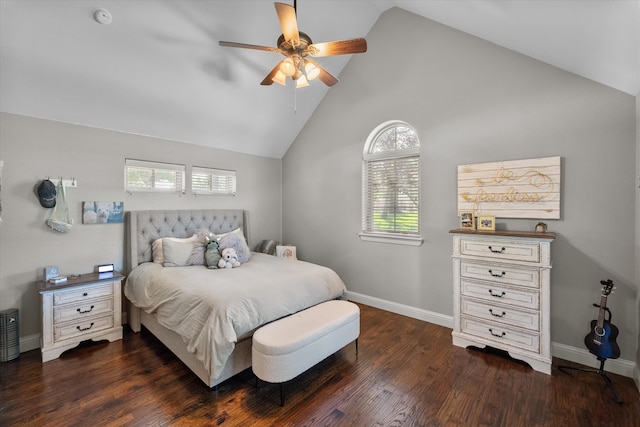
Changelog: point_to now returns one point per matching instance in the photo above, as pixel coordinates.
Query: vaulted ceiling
(157, 68)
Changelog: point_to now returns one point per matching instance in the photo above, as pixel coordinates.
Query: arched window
(391, 184)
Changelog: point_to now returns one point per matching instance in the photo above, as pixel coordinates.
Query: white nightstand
(85, 307)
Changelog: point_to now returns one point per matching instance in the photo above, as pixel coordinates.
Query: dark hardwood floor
(407, 373)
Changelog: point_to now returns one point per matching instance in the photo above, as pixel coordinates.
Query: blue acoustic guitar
(601, 341)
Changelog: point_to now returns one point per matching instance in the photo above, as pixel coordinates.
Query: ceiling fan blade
(288, 23)
(339, 47)
(324, 76)
(268, 81)
(249, 46)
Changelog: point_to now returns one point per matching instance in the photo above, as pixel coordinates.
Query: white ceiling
(157, 69)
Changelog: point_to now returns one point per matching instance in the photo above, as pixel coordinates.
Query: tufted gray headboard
(143, 227)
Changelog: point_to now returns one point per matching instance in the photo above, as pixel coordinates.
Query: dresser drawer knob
(85, 329)
(497, 251)
(500, 295)
(496, 314)
(497, 275)
(497, 335)
(84, 294)
(85, 311)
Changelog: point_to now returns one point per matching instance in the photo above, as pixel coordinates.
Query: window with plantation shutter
(143, 176)
(213, 181)
(391, 185)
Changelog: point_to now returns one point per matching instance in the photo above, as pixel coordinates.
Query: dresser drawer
(520, 297)
(500, 249)
(82, 310)
(502, 314)
(78, 328)
(501, 273)
(83, 293)
(500, 334)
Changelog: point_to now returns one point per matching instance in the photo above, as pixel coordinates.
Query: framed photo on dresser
(467, 220)
(486, 223)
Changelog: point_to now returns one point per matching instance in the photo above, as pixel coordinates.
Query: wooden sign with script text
(512, 189)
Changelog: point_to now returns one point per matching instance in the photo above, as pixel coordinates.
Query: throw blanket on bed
(213, 309)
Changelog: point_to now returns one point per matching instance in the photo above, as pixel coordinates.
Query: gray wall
(33, 149)
(470, 102)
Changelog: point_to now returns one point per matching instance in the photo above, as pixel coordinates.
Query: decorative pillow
(178, 252)
(236, 240)
(237, 231)
(157, 252)
(197, 255)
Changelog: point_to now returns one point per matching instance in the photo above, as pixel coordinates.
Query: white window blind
(391, 182)
(213, 181)
(147, 176)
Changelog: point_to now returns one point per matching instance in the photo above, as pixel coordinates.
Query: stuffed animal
(229, 259)
(212, 253)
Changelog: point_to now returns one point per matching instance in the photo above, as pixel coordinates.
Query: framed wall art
(102, 212)
(528, 188)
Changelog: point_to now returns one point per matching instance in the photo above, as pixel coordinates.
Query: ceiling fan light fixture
(302, 82)
(295, 46)
(287, 67)
(280, 78)
(311, 70)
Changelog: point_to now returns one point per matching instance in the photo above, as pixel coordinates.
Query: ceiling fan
(298, 49)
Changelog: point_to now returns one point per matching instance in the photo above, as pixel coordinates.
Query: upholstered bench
(284, 349)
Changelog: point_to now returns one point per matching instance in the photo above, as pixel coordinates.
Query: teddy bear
(212, 252)
(229, 259)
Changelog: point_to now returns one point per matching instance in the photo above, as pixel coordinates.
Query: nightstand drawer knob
(497, 335)
(497, 251)
(85, 311)
(85, 329)
(497, 275)
(497, 314)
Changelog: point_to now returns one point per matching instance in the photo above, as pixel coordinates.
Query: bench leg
(281, 394)
(356, 347)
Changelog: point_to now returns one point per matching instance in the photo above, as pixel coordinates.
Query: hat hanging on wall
(47, 194)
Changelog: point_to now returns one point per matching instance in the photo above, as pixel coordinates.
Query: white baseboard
(617, 366)
(29, 342)
(405, 310)
(623, 367)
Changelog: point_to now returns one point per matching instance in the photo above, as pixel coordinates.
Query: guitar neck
(603, 307)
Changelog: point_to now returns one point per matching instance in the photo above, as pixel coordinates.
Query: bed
(206, 317)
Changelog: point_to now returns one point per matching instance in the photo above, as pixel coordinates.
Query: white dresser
(501, 293)
(86, 307)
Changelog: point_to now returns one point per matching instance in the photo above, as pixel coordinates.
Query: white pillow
(236, 231)
(157, 252)
(178, 253)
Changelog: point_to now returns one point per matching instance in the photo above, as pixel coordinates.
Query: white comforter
(213, 309)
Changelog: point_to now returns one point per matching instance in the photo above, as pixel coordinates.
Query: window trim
(412, 239)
